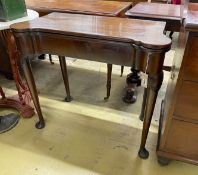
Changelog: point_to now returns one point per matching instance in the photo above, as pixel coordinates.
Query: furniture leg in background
(109, 73)
(63, 66)
(133, 80)
(122, 71)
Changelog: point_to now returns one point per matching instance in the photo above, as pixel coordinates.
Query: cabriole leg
(32, 87)
(141, 117)
(154, 84)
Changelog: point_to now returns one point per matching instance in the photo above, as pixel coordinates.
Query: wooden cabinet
(186, 106)
(184, 138)
(178, 133)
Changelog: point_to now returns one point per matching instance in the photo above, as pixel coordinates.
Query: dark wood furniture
(178, 134)
(93, 7)
(140, 44)
(169, 13)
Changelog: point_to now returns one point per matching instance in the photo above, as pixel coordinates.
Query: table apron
(107, 51)
(94, 49)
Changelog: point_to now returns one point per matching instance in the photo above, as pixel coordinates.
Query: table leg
(154, 84)
(32, 87)
(141, 117)
(109, 73)
(50, 59)
(122, 71)
(63, 66)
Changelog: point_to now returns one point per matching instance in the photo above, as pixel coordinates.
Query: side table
(20, 101)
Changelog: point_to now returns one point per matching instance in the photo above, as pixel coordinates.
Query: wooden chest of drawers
(178, 136)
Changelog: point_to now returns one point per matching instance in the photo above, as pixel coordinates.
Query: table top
(191, 22)
(31, 15)
(141, 32)
(94, 7)
(155, 10)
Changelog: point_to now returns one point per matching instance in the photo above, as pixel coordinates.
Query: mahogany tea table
(139, 44)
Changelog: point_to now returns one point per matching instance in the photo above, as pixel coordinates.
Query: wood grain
(179, 119)
(95, 7)
(145, 33)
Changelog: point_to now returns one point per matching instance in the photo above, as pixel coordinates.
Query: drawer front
(191, 64)
(186, 106)
(183, 139)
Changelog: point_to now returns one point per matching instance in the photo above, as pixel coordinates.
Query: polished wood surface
(186, 107)
(169, 13)
(146, 33)
(156, 10)
(95, 7)
(130, 42)
(191, 70)
(179, 120)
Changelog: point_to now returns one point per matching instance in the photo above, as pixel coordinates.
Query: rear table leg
(63, 66)
(109, 73)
